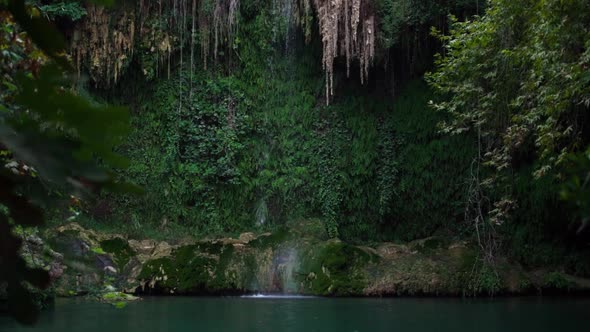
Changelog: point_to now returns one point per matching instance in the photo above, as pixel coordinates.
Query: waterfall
(286, 269)
(275, 271)
(261, 213)
(285, 24)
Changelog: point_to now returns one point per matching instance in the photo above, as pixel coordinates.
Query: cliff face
(296, 260)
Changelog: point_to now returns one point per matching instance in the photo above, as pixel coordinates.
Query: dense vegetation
(247, 143)
(518, 77)
(468, 119)
(51, 139)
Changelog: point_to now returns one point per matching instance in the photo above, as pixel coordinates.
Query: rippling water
(282, 313)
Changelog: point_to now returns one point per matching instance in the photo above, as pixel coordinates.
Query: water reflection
(288, 313)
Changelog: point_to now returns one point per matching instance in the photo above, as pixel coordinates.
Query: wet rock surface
(295, 260)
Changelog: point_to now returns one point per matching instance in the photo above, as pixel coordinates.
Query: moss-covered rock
(188, 269)
(120, 250)
(36, 254)
(334, 268)
(294, 259)
(90, 259)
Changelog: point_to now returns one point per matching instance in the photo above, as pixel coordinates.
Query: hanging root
(340, 22)
(104, 41)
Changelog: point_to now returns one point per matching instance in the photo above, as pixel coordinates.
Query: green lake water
(314, 314)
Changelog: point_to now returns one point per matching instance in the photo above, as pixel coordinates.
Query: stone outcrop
(299, 259)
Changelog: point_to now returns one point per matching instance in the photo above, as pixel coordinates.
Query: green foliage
(485, 280)
(120, 249)
(286, 158)
(117, 299)
(186, 151)
(431, 168)
(555, 281)
(120, 304)
(191, 269)
(388, 170)
(398, 17)
(271, 241)
(221, 152)
(49, 132)
(335, 269)
(520, 73)
(331, 179)
(98, 251)
(234, 154)
(518, 78)
(533, 234)
(290, 159)
(72, 9)
(246, 145)
(575, 189)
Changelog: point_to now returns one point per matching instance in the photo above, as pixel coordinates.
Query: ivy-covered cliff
(387, 122)
(250, 114)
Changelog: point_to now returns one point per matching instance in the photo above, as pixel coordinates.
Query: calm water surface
(314, 314)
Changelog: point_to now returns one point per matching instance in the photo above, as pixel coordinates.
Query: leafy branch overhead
(52, 134)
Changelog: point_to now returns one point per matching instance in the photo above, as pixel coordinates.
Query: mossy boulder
(86, 263)
(119, 249)
(334, 268)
